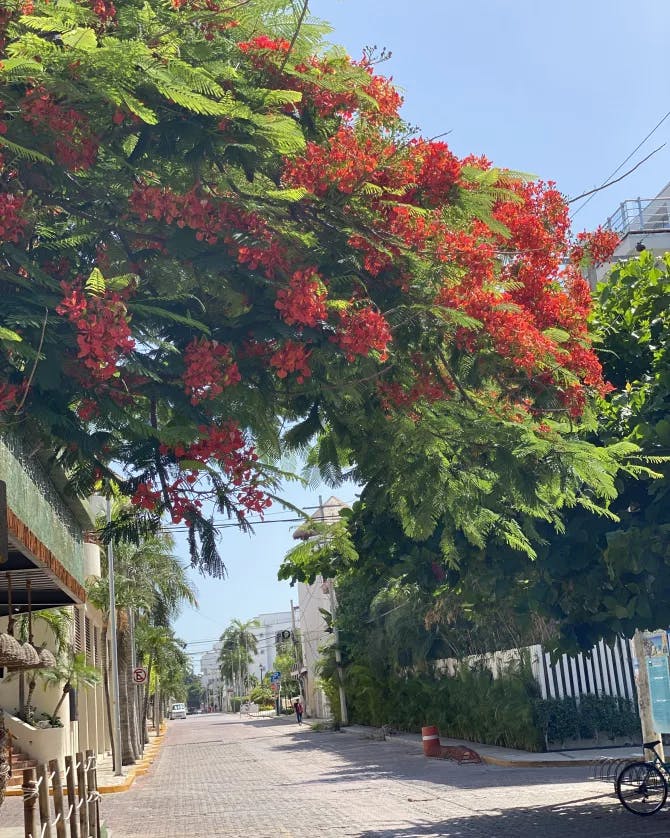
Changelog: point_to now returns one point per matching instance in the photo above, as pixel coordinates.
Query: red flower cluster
(264, 42)
(304, 301)
(75, 147)
(291, 357)
(9, 395)
(148, 496)
(361, 331)
(211, 221)
(209, 369)
(385, 103)
(264, 51)
(12, 223)
(437, 171)
(425, 387)
(103, 331)
(348, 160)
(594, 248)
(104, 9)
(226, 445)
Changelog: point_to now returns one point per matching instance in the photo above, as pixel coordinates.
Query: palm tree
(167, 668)
(150, 584)
(240, 645)
(59, 622)
(73, 673)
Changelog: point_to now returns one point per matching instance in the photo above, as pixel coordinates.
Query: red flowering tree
(211, 226)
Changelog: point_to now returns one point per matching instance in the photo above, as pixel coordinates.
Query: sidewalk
(110, 783)
(508, 757)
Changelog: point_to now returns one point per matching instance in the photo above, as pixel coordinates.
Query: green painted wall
(32, 495)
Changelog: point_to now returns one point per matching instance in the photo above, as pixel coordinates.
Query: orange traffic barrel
(431, 741)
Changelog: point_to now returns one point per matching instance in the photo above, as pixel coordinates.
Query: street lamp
(261, 667)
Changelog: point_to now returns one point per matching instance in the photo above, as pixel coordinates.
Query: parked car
(178, 711)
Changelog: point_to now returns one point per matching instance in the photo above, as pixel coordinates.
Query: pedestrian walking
(299, 710)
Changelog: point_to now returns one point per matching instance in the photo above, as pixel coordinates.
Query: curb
(533, 763)
(499, 762)
(138, 770)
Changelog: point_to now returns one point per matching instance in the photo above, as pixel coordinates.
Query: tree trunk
(23, 714)
(128, 754)
(157, 709)
(31, 690)
(105, 685)
(145, 712)
(135, 737)
(63, 696)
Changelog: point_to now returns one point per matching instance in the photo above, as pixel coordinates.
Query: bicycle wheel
(642, 788)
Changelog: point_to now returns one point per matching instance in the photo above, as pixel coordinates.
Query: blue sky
(564, 91)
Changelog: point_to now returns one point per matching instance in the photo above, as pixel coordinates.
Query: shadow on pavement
(372, 759)
(586, 817)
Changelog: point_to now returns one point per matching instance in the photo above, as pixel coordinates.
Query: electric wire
(623, 163)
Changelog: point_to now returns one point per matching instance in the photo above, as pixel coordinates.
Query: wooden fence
(72, 809)
(606, 670)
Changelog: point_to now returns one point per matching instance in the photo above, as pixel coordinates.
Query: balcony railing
(641, 215)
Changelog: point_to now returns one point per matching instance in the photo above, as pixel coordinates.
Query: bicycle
(642, 787)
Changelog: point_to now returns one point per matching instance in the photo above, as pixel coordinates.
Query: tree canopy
(214, 227)
(591, 577)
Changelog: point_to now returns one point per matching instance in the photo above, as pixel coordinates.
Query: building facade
(642, 224)
(48, 558)
(314, 600)
(273, 627)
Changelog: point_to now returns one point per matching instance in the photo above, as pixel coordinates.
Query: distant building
(268, 632)
(314, 599)
(210, 677)
(643, 224)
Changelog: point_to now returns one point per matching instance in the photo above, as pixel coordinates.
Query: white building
(643, 224)
(314, 599)
(210, 676)
(270, 628)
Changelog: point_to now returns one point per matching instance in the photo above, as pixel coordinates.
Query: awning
(52, 585)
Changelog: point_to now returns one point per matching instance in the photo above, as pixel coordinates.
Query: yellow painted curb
(138, 770)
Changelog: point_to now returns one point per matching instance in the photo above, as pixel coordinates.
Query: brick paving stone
(218, 775)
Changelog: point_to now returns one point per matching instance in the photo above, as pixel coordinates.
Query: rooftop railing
(641, 215)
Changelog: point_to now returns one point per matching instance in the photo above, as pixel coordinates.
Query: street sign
(274, 686)
(140, 675)
(275, 676)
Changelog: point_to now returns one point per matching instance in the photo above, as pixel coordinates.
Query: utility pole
(344, 716)
(649, 732)
(116, 698)
(297, 655)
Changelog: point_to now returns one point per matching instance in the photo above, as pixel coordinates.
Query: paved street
(220, 776)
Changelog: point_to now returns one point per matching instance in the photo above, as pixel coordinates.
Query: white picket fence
(608, 670)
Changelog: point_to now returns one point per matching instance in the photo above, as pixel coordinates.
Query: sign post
(140, 675)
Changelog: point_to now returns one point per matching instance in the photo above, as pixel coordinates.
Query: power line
(623, 163)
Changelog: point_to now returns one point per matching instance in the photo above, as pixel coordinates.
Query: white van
(178, 711)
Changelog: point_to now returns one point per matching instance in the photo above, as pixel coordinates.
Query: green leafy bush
(597, 717)
(505, 711)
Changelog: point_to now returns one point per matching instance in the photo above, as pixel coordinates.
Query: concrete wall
(313, 635)
(88, 730)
